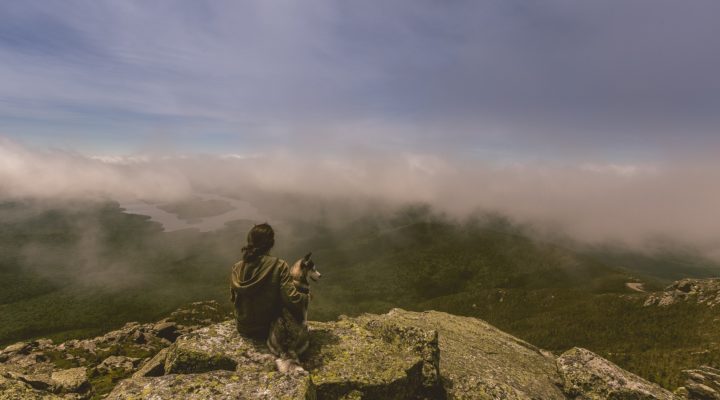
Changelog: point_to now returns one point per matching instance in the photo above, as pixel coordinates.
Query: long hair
(260, 240)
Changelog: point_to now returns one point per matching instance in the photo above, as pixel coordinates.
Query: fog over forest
(550, 168)
(634, 204)
(597, 119)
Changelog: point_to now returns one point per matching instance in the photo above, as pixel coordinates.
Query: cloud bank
(589, 201)
(57, 174)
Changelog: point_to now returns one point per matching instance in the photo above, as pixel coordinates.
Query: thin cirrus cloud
(612, 79)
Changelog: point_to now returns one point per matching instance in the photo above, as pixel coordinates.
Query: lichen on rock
(71, 380)
(589, 376)
(478, 361)
(216, 347)
(29, 367)
(14, 389)
(154, 366)
(346, 358)
(398, 355)
(218, 385)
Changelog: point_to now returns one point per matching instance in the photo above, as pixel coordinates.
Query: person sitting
(262, 287)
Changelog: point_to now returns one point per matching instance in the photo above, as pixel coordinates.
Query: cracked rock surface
(589, 376)
(398, 355)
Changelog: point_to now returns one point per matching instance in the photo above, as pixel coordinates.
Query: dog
(289, 337)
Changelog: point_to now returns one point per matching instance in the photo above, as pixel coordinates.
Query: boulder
(20, 347)
(588, 376)
(166, 330)
(479, 361)
(346, 356)
(71, 380)
(154, 366)
(139, 337)
(15, 389)
(216, 347)
(37, 381)
(117, 363)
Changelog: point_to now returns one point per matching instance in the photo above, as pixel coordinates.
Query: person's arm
(233, 279)
(295, 301)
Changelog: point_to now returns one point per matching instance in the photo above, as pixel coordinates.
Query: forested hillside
(84, 268)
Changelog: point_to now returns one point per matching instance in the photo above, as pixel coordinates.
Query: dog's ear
(307, 256)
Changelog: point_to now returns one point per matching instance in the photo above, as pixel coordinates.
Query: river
(171, 222)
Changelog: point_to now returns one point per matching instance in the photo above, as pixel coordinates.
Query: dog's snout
(315, 274)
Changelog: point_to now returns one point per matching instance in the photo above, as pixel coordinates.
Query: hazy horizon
(597, 119)
(595, 203)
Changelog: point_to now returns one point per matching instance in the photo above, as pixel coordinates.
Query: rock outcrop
(12, 388)
(345, 357)
(586, 375)
(398, 355)
(700, 291)
(82, 369)
(701, 384)
(477, 360)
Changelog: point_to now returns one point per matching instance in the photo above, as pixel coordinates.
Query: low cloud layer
(62, 174)
(589, 201)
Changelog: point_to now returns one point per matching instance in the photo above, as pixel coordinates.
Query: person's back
(255, 288)
(261, 286)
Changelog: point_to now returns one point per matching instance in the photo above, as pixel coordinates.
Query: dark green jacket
(260, 290)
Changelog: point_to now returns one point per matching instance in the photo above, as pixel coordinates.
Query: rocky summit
(700, 291)
(398, 355)
(90, 368)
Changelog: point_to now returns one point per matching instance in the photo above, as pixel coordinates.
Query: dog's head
(309, 268)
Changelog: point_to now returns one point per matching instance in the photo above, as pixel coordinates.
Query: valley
(79, 270)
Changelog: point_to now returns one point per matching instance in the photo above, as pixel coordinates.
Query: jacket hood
(248, 276)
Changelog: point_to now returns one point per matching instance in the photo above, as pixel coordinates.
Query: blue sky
(616, 80)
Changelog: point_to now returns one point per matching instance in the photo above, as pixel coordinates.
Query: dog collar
(303, 290)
